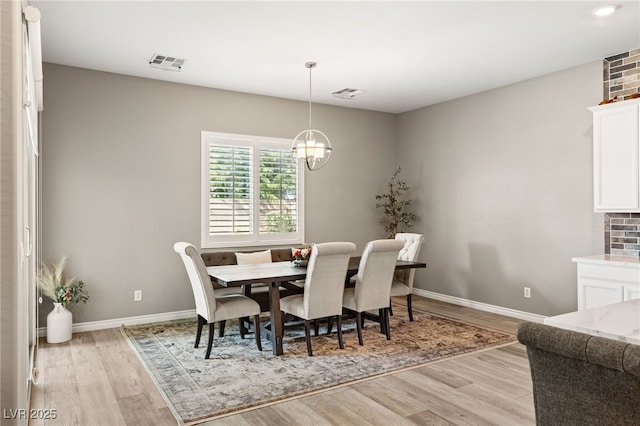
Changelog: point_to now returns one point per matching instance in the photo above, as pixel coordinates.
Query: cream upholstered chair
(373, 283)
(211, 309)
(252, 259)
(261, 257)
(323, 287)
(244, 259)
(403, 280)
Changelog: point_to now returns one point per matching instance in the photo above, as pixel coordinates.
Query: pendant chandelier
(311, 145)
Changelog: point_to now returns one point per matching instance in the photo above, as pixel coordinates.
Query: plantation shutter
(252, 192)
(278, 192)
(230, 190)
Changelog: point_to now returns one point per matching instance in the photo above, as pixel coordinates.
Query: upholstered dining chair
(251, 258)
(403, 280)
(373, 283)
(323, 288)
(212, 309)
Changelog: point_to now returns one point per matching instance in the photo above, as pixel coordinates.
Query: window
(251, 191)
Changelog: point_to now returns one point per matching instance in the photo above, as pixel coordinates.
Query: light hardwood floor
(96, 379)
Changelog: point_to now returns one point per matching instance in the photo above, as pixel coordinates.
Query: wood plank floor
(96, 379)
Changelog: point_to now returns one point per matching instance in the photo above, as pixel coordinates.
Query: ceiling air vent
(167, 63)
(347, 93)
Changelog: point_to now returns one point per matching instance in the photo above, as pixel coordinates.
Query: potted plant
(64, 292)
(396, 206)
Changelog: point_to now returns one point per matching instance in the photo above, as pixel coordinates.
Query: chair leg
(359, 327)
(316, 327)
(201, 322)
(307, 335)
(409, 308)
(329, 325)
(210, 344)
(242, 321)
(382, 323)
(256, 325)
(390, 307)
(339, 322)
(242, 330)
(221, 328)
(387, 328)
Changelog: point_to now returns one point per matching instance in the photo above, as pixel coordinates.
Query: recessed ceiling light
(605, 10)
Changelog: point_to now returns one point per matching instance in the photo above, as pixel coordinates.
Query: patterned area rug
(237, 376)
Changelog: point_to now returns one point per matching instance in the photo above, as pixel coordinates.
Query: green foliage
(277, 175)
(230, 177)
(280, 222)
(233, 166)
(233, 171)
(396, 206)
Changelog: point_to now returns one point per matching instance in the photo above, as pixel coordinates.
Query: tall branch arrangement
(396, 207)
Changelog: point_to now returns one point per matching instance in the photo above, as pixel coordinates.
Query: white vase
(59, 324)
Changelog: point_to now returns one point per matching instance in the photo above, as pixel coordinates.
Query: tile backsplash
(621, 78)
(622, 75)
(622, 234)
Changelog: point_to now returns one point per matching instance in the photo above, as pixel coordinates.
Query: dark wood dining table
(275, 274)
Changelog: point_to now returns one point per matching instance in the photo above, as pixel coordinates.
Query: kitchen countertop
(618, 321)
(607, 259)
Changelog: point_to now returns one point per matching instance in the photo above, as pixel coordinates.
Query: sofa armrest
(608, 353)
(579, 379)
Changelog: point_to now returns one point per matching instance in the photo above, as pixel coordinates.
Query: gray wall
(121, 179)
(503, 184)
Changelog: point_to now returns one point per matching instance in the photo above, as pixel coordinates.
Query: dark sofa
(229, 257)
(579, 379)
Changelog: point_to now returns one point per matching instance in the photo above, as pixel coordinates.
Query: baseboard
(527, 316)
(167, 316)
(114, 323)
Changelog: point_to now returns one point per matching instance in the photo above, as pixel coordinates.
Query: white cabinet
(616, 156)
(631, 292)
(603, 280)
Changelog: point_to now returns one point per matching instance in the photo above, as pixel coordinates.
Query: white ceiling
(404, 55)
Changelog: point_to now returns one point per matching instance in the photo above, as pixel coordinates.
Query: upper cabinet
(616, 156)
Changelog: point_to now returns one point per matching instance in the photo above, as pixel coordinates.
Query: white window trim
(252, 240)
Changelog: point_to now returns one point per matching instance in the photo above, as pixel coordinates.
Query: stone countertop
(607, 259)
(618, 321)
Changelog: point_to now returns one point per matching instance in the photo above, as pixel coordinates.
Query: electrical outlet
(527, 292)
(137, 295)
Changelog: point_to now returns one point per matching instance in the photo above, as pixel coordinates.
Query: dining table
(274, 274)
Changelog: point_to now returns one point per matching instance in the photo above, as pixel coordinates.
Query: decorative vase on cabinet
(59, 323)
(616, 160)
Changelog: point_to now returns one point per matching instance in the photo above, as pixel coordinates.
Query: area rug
(238, 376)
